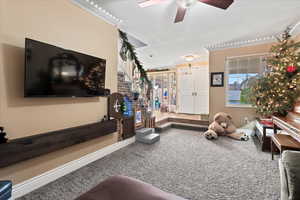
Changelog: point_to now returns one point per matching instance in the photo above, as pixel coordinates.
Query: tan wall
(61, 23)
(217, 94)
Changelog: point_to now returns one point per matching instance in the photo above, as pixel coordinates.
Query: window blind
(247, 64)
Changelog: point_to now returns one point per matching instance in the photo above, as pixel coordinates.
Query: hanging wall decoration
(217, 79)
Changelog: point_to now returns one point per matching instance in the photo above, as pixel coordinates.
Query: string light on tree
(276, 91)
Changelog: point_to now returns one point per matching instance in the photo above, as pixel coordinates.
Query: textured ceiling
(203, 25)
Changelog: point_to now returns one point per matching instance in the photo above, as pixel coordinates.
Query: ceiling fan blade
(147, 3)
(223, 4)
(180, 14)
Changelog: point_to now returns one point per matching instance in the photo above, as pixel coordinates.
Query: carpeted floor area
(184, 163)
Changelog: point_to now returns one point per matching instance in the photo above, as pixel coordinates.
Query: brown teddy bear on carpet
(223, 126)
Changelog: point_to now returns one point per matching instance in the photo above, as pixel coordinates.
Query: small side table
(284, 142)
(263, 134)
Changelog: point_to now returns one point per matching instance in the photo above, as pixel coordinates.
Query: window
(240, 73)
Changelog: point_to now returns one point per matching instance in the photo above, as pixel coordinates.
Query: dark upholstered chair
(125, 188)
(289, 166)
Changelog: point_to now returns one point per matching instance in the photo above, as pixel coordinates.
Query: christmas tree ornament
(291, 68)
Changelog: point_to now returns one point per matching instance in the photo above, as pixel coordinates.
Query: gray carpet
(184, 163)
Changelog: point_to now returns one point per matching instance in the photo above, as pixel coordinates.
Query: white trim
(249, 55)
(295, 29)
(239, 105)
(98, 11)
(241, 43)
(36, 182)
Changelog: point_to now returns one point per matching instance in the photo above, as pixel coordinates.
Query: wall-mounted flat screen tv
(52, 71)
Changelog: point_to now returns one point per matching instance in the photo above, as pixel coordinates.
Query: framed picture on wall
(217, 79)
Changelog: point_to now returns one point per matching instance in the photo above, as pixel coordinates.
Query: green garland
(128, 52)
(277, 90)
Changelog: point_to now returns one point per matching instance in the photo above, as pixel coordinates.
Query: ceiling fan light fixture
(189, 58)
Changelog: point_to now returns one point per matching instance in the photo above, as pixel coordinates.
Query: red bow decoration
(291, 68)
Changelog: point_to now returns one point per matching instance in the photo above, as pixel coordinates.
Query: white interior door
(185, 91)
(201, 89)
(187, 102)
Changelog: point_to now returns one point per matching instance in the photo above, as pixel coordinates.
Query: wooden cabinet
(128, 127)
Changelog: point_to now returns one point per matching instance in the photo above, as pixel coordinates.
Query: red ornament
(291, 68)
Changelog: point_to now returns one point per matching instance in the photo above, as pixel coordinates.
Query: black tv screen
(52, 71)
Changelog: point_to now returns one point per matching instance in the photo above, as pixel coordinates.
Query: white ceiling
(203, 25)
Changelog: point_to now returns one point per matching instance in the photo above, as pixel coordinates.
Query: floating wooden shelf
(28, 147)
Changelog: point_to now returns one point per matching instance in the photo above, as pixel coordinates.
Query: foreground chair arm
(125, 188)
(289, 166)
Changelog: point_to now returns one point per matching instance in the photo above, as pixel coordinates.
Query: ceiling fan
(183, 5)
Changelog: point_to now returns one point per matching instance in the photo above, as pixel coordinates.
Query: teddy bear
(223, 126)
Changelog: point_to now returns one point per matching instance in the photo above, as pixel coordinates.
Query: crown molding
(95, 9)
(241, 43)
(294, 31)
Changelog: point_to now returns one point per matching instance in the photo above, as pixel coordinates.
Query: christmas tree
(275, 92)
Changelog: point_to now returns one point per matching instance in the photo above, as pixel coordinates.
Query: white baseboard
(36, 182)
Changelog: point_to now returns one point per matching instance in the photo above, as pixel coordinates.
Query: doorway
(193, 90)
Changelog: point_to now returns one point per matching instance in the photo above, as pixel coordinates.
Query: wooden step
(162, 121)
(188, 121)
(163, 127)
(193, 127)
(181, 120)
(185, 126)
